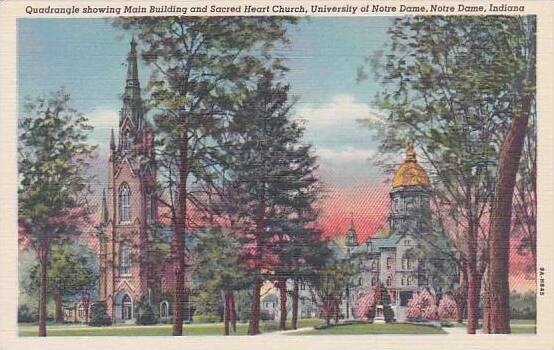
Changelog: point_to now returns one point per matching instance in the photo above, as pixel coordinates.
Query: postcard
(281, 174)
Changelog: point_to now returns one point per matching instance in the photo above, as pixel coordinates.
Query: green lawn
(376, 328)
(30, 330)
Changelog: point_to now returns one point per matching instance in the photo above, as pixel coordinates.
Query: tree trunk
(43, 297)
(58, 314)
(283, 304)
(178, 243)
(226, 311)
(254, 326)
(327, 312)
(295, 296)
(501, 219)
(233, 312)
(474, 289)
(336, 310)
(486, 327)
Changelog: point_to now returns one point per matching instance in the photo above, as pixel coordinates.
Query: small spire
(112, 141)
(351, 220)
(410, 152)
(104, 216)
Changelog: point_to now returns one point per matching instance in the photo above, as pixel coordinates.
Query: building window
(150, 209)
(373, 281)
(125, 259)
(126, 142)
(375, 265)
(360, 281)
(389, 281)
(302, 286)
(124, 203)
(164, 309)
(81, 311)
(403, 281)
(407, 242)
(389, 263)
(409, 280)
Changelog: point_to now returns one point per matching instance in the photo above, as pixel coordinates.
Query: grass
(375, 328)
(31, 330)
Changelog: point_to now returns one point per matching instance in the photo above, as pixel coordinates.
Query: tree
(72, 271)
(329, 284)
(202, 66)
(218, 270)
(270, 177)
(446, 85)
(519, 38)
(53, 180)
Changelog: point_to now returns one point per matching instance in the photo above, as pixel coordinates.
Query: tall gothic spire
(132, 102)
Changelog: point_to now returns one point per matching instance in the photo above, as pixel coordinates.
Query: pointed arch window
(124, 203)
(126, 141)
(125, 259)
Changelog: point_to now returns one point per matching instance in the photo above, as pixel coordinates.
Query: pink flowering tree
(364, 303)
(447, 307)
(422, 307)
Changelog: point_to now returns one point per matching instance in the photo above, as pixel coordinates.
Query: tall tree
(71, 272)
(201, 67)
(518, 37)
(53, 182)
(270, 171)
(446, 85)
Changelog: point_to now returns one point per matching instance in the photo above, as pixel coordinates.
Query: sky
(87, 57)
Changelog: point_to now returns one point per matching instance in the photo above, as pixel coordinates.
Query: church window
(124, 203)
(81, 311)
(150, 209)
(164, 309)
(389, 263)
(389, 281)
(126, 142)
(125, 259)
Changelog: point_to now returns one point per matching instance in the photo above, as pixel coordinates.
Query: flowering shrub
(447, 307)
(422, 307)
(364, 305)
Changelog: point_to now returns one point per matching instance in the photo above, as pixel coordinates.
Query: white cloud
(344, 155)
(103, 120)
(341, 110)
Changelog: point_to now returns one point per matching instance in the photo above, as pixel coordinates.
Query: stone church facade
(129, 210)
(390, 257)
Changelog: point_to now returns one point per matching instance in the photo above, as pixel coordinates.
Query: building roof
(410, 173)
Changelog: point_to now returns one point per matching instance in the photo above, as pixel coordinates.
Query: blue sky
(87, 56)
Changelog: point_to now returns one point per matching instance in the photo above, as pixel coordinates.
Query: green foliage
(72, 270)
(99, 315)
(523, 306)
(26, 314)
(388, 313)
(146, 312)
(52, 163)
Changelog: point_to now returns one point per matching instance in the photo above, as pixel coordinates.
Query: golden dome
(410, 173)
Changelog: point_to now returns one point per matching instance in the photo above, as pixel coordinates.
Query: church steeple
(132, 101)
(351, 236)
